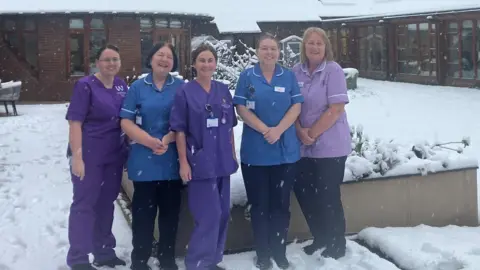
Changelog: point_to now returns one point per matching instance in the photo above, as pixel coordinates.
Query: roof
(189, 7)
(233, 17)
(371, 9)
(243, 16)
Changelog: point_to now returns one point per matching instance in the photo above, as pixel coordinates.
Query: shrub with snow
(371, 159)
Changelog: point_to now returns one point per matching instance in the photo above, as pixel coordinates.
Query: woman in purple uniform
(203, 118)
(98, 153)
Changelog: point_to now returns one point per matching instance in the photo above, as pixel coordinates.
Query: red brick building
(50, 45)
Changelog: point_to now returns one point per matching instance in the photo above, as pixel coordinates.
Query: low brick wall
(436, 199)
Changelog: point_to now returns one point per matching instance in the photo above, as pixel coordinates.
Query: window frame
(418, 55)
(362, 35)
(86, 31)
(175, 34)
(475, 43)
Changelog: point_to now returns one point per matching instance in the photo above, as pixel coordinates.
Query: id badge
(212, 122)
(138, 120)
(251, 104)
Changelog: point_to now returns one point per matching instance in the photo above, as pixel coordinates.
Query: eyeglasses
(110, 60)
(209, 109)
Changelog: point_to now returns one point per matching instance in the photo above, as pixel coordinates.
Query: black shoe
(310, 249)
(115, 261)
(334, 253)
(282, 262)
(140, 266)
(83, 266)
(168, 264)
(263, 263)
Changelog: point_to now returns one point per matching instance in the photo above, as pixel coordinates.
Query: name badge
(138, 120)
(279, 89)
(212, 122)
(300, 84)
(250, 105)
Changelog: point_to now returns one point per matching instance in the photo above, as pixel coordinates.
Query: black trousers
(147, 198)
(317, 188)
(268, 192)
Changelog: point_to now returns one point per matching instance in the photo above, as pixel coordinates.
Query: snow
(368, 9)
(351, 72)
(427, 248)
(35, 188)
(10, 84)
(36, 192)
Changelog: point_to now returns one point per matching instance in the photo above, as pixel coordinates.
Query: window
(416, 49)
(332, 36)
(153, 30)
(20, 33)
(372, 48)
(30, 43)
(344, 55)
(463, 41)
(87, 36)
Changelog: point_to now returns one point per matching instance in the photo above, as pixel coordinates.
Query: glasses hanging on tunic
(209, 109)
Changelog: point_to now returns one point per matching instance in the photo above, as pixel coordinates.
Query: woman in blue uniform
(203, 117)
(268, 99)
(153, 161)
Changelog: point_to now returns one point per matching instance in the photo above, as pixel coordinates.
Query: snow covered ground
(35, 189)
(427, 248)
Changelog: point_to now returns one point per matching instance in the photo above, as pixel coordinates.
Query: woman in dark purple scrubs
(98, 153)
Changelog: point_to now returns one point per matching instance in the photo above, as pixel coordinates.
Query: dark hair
(265, 36)
(155, 49)
(103, 48)
(203, 47)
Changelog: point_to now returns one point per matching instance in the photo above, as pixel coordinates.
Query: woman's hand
(78, 167)
(185, 172)
(303, 135)
(272, 135)
(157, 146)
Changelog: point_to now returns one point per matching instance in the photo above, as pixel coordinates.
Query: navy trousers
(268, 192)
(317, 188)
(148, 198)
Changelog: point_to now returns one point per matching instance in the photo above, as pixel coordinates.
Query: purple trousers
(91, 213)
(209, 203)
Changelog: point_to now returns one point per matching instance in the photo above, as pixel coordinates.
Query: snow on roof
(242, 16)
(229, 15)
(382, 8)
(188, 7)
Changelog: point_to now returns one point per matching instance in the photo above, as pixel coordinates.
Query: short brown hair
(203, 47)
(328, 45)
(267, 36)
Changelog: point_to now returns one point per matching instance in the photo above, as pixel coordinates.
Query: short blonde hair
(328, 45)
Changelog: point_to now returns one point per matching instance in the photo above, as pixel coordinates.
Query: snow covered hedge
(373, 159)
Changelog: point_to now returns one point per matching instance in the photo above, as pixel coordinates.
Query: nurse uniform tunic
(207, 119)
(104, 154)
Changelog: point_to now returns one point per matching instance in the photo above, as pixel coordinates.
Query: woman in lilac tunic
(203, 118)
(98, 153)
(324, 131)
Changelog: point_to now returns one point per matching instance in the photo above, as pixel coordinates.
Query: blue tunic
(269, 102)
(152, 105)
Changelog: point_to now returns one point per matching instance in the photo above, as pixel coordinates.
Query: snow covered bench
(351, 75)
(10, 92)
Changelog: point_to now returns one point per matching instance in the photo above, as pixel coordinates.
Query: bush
(379, 157)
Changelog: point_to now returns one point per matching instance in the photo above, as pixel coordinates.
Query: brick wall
(124, 32)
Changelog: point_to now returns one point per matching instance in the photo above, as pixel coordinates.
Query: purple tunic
(98, 109)
(209, 149)
(327, 85)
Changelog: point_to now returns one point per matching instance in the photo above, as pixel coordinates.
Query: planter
(436, 199)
